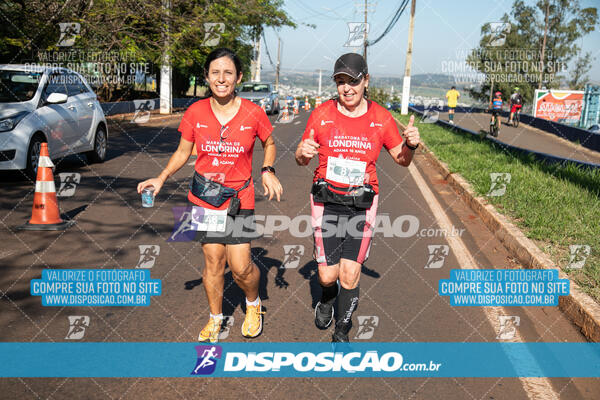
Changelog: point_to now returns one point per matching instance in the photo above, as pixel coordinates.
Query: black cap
(351, 64)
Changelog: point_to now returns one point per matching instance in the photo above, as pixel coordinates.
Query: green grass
(555, 206)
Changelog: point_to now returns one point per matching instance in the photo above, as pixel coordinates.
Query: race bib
(208, 220)
(348, 172)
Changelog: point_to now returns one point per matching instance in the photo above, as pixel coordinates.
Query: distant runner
(347, 133)
(452, 95)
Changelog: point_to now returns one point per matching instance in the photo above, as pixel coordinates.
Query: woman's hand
(412, 133)
(309, 148)
(271, 186)
(156, 182)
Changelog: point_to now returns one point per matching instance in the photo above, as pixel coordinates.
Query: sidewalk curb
(580, 308)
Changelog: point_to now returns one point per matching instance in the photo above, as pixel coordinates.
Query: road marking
(536, 388)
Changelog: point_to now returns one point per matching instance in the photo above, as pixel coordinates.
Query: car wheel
(98, 155)
(33, 156)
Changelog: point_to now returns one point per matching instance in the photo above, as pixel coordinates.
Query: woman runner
(223, 128)
(347, 133)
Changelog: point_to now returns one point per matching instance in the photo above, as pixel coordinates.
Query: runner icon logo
(366, 326)
(148, 254)
(142, 111)
(431, 113)
(437, 255)
(215, 177)
(508, 326)
(207, 359)
(356, 34)
(226, 327)
(212, 35)
(579, 253)
(68, 33)
(498, 33)
(77, 326)
(292, 255)
(183, 229)
(68, 183)
(499, 183)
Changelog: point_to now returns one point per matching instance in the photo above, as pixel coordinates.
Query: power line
(393, 22)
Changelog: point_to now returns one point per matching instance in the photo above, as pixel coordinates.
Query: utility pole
(255, 64)
(365, 36)
(406, 83)
(166, 96)
(544, 44)
(320, 77)
(277, 69)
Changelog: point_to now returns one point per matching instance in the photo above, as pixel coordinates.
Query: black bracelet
(268, 169)
(411, 147)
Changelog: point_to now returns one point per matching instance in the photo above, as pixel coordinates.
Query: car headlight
(10, 123)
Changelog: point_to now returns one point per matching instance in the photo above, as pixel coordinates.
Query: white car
(54, 105)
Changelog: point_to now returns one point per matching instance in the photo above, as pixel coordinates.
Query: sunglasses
(351, 82)
(223, 134)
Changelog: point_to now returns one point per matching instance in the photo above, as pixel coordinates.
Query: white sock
(217, 316)
(253, 303)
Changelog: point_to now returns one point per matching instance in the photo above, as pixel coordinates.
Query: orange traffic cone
(318, 101)
(306, 104)
(296, 107)
(286, 115)
(45, 215)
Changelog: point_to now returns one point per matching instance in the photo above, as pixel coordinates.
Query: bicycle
(515, 122)
(494, 125)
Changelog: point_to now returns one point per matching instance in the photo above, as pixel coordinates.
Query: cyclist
(347, 133)
(223, 127)
(516, 102)
(452, 95)
(496, 107)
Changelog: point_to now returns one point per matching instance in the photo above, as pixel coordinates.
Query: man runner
(452, 95)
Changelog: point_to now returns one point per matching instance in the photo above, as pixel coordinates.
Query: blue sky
(444, 30)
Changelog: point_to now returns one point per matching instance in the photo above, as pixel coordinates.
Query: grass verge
(555, 206)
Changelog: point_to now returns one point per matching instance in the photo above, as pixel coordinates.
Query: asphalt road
(395, 285)
(527, 137)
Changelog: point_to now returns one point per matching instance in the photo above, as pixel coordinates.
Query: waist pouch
(215, 193)
(360, 197)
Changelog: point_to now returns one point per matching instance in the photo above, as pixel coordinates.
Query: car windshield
(18, 86)
(256, 88)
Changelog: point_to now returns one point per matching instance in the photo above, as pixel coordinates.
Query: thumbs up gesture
(309, 148)
(411, 133)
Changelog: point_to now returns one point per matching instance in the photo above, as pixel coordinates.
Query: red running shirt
(232, 165)
(357, 139)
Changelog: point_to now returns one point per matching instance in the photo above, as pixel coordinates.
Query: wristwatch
(268, 169)
(411, 147)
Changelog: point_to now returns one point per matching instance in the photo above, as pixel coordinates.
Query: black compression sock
(329, 293)
(347, 303)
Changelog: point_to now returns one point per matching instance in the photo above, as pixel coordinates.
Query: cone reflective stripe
(45, 161)
(45, 214)
(285, 115)
(45, 187)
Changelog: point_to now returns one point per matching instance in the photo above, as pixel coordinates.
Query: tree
(540, 44)
(135, 30)
(582, 66)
